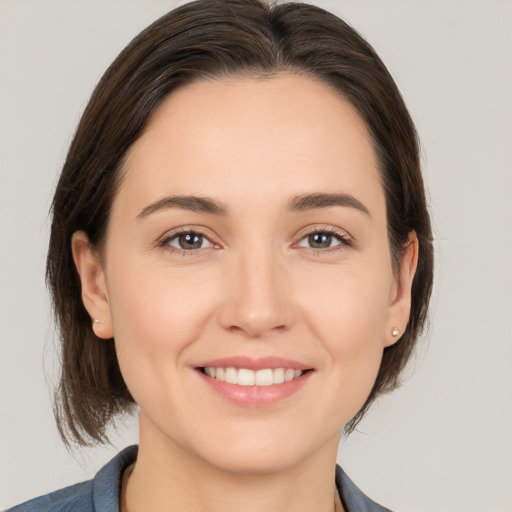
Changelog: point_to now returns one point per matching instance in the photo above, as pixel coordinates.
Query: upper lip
(252, 363)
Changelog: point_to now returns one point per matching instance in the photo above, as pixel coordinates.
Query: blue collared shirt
(101, 494)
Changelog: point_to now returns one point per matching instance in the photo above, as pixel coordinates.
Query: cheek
(156, 316)
(347, 314)
(346, 305)
(151, 304)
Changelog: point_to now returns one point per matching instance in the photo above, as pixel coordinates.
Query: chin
(261, 454)
(257, 463)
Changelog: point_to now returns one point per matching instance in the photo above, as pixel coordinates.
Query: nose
(257, 298)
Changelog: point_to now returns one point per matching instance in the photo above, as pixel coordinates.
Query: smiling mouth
(247, 377)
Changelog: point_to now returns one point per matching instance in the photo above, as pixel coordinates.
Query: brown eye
(189, 241)
(320, 240)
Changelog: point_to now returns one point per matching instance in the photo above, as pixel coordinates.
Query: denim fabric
(352, 498)
(101, 494)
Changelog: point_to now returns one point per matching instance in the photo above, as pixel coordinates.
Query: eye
(188, 241)
(323, 240)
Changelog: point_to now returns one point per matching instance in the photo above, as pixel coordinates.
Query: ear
(94, 289)
(400, 297)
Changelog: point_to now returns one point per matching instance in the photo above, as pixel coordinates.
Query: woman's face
(249, 233)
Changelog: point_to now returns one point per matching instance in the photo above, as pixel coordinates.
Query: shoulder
(76, 497)
(100, 493)
(353, 499)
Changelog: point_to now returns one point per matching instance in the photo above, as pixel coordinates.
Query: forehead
(252, 138)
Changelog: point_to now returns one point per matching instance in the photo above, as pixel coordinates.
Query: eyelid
(345, 238)
(163, 240)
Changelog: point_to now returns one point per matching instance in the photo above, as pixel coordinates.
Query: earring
(94, 321)
(395, 332)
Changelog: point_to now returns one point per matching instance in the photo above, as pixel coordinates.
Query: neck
(168, 477)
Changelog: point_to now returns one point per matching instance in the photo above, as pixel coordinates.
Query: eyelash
(342, 237)
(165, 241)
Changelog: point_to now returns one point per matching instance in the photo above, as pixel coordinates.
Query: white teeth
(278, 375)
(231, 376)
(264, 377)
(246, 377)
(289, 374)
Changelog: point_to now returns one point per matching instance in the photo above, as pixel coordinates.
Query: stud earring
(94, 321)
(395, 332)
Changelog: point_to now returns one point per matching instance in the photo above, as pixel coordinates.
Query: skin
(256, 288)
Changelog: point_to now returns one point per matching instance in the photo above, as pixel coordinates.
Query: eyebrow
(192, 203)
(323, 200)
(296, 204)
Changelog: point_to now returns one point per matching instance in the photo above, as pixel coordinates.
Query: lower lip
(256, 396)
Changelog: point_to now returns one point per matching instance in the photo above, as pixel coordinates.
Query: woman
(240, 246)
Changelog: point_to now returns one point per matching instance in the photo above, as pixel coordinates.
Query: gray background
(441, 443)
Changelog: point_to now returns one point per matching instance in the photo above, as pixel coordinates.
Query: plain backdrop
(441, 443)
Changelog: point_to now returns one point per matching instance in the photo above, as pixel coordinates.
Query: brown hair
(205, 39)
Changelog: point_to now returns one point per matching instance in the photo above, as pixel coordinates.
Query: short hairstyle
(201, 40)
